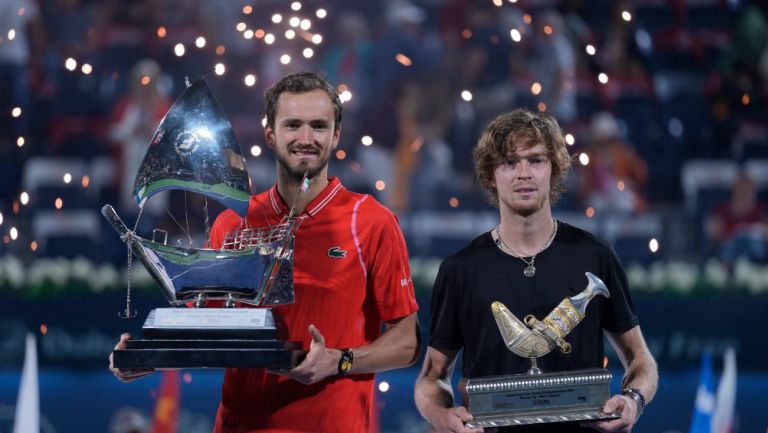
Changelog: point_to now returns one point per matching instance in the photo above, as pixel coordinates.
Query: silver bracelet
(635, 395)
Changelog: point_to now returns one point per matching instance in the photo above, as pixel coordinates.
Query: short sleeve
(445, 332)
(620, 315)
(389, 278)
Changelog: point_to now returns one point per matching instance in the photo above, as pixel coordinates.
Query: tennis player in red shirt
(351, 275)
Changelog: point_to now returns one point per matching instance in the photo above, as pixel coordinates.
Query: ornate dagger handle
(545, 335)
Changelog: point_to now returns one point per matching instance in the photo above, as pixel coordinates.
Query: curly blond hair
(521, 128)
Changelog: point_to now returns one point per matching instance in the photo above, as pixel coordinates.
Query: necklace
(530, 269)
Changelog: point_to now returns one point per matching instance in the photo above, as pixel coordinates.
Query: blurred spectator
(20, 38)
(124, 33)
(133, 121)
(553, 65)
(423, 157)
(738, 227)
(348, 62)
(739, 90)
(401, 60)
(614, 179)
(620, 57)
(19, 42)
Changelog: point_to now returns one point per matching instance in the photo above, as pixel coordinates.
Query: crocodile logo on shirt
(337, 253)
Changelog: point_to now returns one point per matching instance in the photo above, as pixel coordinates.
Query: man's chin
(526, 209)
(297, 171)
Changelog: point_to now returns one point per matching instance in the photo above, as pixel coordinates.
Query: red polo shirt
(351, 273)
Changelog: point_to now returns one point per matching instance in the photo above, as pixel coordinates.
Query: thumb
(611, 405)
(317, 337)
(463, 414)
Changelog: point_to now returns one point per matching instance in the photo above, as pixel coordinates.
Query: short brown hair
(300, 82)
(521, 128)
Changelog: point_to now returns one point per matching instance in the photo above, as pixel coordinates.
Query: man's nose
(305, 134)
(524, 170)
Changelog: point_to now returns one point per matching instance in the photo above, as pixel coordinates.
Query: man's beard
(525, 210)
(297, 174)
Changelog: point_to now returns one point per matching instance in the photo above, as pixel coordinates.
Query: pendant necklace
(530, 269)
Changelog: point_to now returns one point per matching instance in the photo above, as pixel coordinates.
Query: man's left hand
(319, 363)
(623, 405)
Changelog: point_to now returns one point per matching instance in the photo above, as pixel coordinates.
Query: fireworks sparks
(403, 59)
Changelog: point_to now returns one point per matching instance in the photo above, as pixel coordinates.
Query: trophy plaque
(194, 149)
(536, 397)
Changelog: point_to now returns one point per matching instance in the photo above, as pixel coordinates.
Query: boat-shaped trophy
(536, 397)
(195, 149)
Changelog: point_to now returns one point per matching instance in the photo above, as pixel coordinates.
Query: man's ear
(336, 135)
(269, 136)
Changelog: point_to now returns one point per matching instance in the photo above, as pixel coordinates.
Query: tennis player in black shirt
(529, 262)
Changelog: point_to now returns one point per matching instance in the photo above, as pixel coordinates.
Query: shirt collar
(314, 207)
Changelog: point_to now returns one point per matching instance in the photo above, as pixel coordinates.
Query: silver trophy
(194, 149)
(536, 397)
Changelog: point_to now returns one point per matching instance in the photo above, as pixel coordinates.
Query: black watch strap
(637, 396)
(345, 362)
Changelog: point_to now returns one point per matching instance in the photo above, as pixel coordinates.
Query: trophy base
(497, 421)
(149, 354)
(208, 338)
(500, 401)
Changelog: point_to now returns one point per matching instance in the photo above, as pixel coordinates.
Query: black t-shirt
(469, 281)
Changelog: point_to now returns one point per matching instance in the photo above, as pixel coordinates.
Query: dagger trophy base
(521, 399)
(208, 338)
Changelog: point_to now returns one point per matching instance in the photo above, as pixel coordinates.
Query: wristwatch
(635, 395)
(345, 362)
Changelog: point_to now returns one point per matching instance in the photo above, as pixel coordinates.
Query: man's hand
(126, 375)
(452, 420)
(622, 404)
(319, 363)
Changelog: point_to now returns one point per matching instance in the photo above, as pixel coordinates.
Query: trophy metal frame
(536, 397)
(195, 149)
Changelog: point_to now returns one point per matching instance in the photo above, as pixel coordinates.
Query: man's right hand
(126, 375)
(453, 420)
